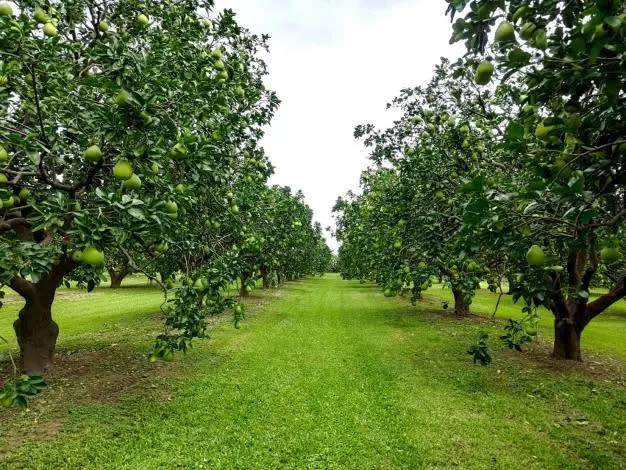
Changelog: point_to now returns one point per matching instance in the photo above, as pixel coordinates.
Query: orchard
(130, 142)
(507, 166)
(170, 297)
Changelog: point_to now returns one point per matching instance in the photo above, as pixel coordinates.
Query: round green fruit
(610, 255)
(3, 179)
(484, 72)
(50, 30)
(154, 168)
(41, 16)
(171, 207)
(24, 194)
(143, 20)
(234, 209)
(505, 32)
(103, 26)
(180, 188)
(8, 203)
(77, 256)
(123, 170)
(397, 244)
(535, 256)
(93, 154)
(92, 256)
(161, 247)
(216, 54)
(132, 183)
(219, 64)
(6, 9)
(4, 155)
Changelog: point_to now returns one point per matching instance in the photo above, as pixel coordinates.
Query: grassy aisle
(335, 375)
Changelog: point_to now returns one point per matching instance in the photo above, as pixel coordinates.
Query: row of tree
(129, 136)
(508, 166)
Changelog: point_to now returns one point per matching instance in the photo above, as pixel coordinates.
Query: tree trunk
(244, 282)
(280, 278)
(460, 309)
(566, 340)
(266, 277)
(117, 277)
(36, 332)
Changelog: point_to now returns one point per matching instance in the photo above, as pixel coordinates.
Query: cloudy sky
(335, 64)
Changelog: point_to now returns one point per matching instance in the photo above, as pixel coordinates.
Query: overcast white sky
(335, 64)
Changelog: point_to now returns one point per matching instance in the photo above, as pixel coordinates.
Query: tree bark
(36, 333)
(567, 340)
(244, 282)
(265, 274)
(460, 309)
(280, 278)
(117, 277)
(35, 329)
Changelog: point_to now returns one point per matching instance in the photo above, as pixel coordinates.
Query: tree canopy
(509, 165)
(130, 134)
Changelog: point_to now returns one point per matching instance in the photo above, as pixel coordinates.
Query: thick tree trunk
(117, 277)
(36, 332)
(460, 309)
(265, 274)
(566, 340)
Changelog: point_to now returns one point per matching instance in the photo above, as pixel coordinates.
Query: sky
(335, 64)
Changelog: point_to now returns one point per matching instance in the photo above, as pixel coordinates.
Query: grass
(606, 333)
(85, 318)
(333, 375)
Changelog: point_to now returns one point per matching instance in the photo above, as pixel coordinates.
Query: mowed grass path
(333, 375)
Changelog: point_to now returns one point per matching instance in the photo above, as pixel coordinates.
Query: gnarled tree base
(37, 336)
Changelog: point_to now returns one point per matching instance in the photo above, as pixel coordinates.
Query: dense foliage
(129, 137)
(538, 198)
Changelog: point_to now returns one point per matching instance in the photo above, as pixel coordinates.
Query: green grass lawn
(83, 317)
(606, 333)
(326, 374)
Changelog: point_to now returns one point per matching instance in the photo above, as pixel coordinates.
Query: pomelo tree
(563, 62)
(107, 107)
(274, 234)
(437, 149)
